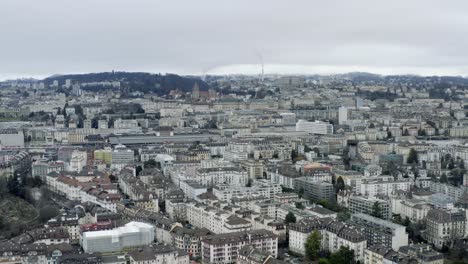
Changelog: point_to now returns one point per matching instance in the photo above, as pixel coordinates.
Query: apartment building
(189, 240)
(445, 225)
(316, 127)
(157, 253)
(224, 175)
(259, 188)
(224, 248)
(334, 234)
(215, 220)
(314, 190)
(366, 205)
(122, 156)
(380, 232)
(414, 209)
(374, 187)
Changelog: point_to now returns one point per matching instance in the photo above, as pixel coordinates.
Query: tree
(293, 155)
(340, 185)
(451, 164)
(424, 164)
(301, 192)
(346, 157)
(290, 218)
(343, 216)
(299, 205)
(405, 132)
(312, 245)
(443, 178)
(376, 210)
(412, 157)
(316, 150)
(422, 132)
(324, 261)
(47, 212)
(343, 256)
(407, 221)
(138, 170)
(14, 186)
(150, 164)
(112, 178)
(249, 183)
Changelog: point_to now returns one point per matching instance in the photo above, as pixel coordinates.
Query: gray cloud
(61, 36)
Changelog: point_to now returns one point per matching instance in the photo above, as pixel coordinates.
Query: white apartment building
(373, 187)
(235, 155)
(215, 163)
(125, 123)
(122, 156)
(224, 248)
(259, 188)
(192, 189)
(338, 234)
(78, 161)
(317, 127)
(334, 234)
(413, 209)
(226, 175)
(215, 220)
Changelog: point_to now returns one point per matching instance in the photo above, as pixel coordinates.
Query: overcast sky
(44, 37)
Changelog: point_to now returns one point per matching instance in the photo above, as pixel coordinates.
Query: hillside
(135, 81)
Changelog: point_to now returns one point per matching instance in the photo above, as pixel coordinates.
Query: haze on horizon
(41, 38)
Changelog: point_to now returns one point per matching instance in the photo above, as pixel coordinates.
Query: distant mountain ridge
(136, 81)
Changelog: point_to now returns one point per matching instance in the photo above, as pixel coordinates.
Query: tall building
(359, 102)
(195, 92)
(122, 156)
(317, 127)
(342, 115)
(68, 83)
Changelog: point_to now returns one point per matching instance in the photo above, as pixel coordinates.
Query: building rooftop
(235, 237)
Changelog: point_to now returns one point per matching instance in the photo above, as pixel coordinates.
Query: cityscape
(225, 165)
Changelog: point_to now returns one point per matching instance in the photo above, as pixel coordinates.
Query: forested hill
(136, 81)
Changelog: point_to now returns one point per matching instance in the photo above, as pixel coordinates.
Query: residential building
(443, 226)
(380, 232)
(224, 248)
(316, 127)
